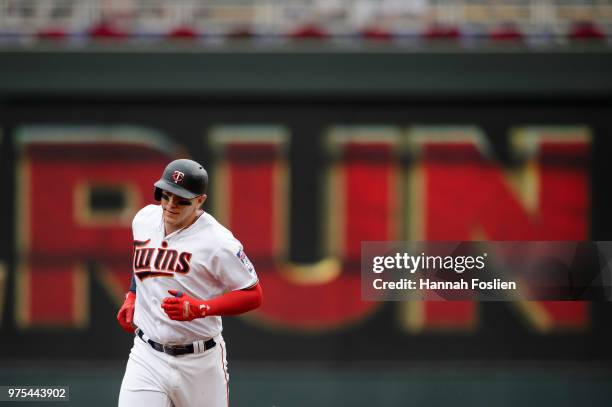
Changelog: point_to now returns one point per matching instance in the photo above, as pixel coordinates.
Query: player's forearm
(235, 302)
(133, 284)
(181, 307)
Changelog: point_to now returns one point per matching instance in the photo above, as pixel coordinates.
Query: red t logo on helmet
(178, 176)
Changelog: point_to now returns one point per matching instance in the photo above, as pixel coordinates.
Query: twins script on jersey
(204, 260)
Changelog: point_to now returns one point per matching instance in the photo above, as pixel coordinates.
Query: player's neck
(171, 228)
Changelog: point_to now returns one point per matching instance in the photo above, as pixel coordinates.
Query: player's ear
(202, 199)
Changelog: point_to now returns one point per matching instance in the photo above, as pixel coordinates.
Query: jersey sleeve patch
(245, 261)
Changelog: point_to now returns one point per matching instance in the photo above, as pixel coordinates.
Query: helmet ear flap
(157, 194)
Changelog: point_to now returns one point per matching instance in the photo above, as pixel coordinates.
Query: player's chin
(170, 216)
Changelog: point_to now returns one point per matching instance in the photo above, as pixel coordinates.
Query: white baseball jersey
(204, 260)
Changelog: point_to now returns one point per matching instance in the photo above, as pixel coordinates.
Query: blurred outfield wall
(309, 154)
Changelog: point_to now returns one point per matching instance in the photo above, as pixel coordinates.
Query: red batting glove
(125, 316)
(182, 307)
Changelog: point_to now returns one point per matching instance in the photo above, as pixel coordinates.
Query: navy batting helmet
(184, 178)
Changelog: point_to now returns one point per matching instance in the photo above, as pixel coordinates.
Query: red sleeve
(235, 302)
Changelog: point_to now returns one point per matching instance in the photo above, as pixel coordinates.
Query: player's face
(180, 211)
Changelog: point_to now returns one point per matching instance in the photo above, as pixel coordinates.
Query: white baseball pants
(156, 379)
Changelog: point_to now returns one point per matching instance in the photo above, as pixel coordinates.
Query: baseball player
(189, 270)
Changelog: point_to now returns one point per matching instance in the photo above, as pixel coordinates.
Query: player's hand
(125, 317)
(181, 307)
